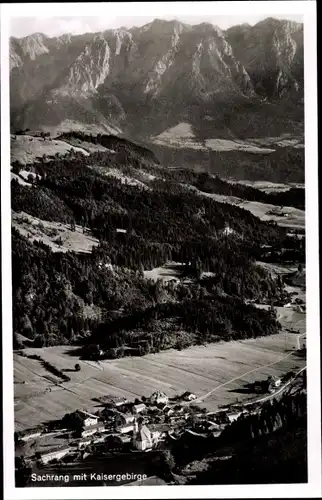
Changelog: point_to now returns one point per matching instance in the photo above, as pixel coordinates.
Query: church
(143, 438)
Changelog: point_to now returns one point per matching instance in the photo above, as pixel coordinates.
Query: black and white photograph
(160, 264)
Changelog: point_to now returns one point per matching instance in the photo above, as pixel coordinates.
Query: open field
(58, 236)
(125, 179)
(219, 369)
(182, 136)
(269, 187)
(295, 217)
(298, 282)
(285, 140)
(167, 272)
(87, 128)
(27, 149)
(90, 147)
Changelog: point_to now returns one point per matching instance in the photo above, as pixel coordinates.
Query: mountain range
(241, 83)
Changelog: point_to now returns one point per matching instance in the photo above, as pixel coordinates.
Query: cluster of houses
(121, 424)
(140, 426)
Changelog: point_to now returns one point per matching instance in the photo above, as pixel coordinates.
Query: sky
(56, 26)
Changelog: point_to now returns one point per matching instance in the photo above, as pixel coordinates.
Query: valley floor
(216, 373)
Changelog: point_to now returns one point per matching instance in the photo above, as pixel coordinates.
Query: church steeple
(135, 427)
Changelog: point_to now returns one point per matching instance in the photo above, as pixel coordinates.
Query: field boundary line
(205, 396)
(265, 398)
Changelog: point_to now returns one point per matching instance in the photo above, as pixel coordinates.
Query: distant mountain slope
(246, 81)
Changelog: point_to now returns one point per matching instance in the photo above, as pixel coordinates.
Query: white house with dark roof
(125, 429)
(139, 408)
(189, 396)
(123, 419)
(88, 418)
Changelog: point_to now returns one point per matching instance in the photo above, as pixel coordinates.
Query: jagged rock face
(161, 72)
(89, 70)
(270, 52)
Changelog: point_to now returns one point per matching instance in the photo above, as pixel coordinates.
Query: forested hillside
(267, 447)
(102, 298)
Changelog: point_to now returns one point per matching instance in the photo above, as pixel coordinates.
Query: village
(121, 426)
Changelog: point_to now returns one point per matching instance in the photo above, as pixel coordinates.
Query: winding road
(205, 396)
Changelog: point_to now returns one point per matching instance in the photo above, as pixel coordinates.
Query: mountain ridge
(165, 71)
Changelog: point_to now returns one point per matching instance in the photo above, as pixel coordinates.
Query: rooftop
(140, 405)
(55, 450)
(85, 414)
(143, 434)
(100, 425)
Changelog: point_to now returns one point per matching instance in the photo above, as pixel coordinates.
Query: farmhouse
(277, 381)
(99, 439)
(273, 383)
(92, 429)
(123, 419)
(126, 428)
(125, 439)
(159, 397)
(88, 418)
(233, 416)
(55, 453)
(154, 409)
(139, 408)
(113, 401)
(189, 396)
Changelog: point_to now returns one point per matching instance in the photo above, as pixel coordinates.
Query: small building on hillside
(232, 416)
(273, 383)
(139, 408)
(189, 396)
(92, 429)
(159, 397)
(55, 453)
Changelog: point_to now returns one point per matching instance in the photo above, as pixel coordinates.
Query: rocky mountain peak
(164, 69)
(34, 45)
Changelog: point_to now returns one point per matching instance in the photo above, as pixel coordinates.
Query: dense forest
(267, 447)
(208, 183)
(62, 298)
(284, 165)
(103, 298)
